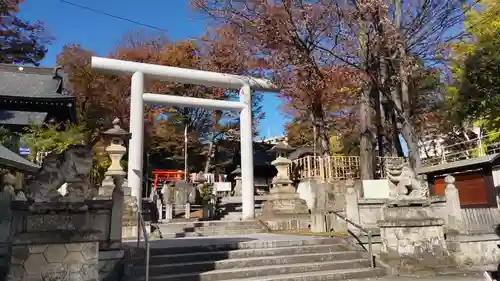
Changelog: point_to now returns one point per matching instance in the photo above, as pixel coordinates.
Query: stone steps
(233, 211)
(198, 233)
(296, 259)
(209, 228)
(248, 253)
(254, 262)
(231, 207)
(344, 274)
(240, 273)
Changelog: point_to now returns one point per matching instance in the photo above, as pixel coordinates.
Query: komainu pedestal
(413, 240)
(56, 242)
(412, 235)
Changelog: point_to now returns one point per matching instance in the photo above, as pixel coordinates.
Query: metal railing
(141, 227)
(368, 234)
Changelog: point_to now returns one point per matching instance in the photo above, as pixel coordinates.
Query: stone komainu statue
(73, 166)
(403, 182)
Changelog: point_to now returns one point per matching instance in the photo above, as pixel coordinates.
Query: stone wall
(111, 265)
(475, 251)
(69, 261)
(370, 210)
(309, 189)
(64, 244)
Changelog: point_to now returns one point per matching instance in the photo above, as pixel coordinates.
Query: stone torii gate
(140, 71)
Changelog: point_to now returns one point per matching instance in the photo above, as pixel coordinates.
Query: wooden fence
(334, 167)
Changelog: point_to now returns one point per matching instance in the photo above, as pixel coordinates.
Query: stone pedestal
(130, 219)
(57, 241)
(284, 201)
(412, 239)
(169, 209)
(106, 188)
(318, 222)
(284, 210)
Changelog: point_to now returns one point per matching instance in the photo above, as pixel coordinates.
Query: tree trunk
(366, 153)
(321, 144)
(215, 121)
(210, 152)
(380, 123)
(185, 152)
(324, 139)
(366, 143)
(407, 128)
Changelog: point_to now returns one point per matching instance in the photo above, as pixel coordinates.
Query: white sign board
(376, 189)
(222, 186)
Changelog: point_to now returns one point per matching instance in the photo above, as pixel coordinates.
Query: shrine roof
(15, 161)
(32, 82)
(23, 118)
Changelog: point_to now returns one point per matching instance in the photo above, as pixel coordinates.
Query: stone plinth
(130, 219)
(284, 201)
(57, 241)
(412, 239)
(284, 210)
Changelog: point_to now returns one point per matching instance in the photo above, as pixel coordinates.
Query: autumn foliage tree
(20, 40)
(100, 98)
(375, 43)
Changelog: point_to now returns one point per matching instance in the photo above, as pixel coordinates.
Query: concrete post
(169, 208)
(454, 218)
(352, 208)
(237, 186)
(187, 210)
(246, 142)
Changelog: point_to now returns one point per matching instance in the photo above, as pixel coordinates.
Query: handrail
(141, 226)
(368, 233)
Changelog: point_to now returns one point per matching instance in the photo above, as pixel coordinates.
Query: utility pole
(185, 152)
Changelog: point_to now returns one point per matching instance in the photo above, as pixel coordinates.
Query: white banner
(222, 186)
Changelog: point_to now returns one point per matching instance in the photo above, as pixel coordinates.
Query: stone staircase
(209, 228)
(297, 259)
(231, 207)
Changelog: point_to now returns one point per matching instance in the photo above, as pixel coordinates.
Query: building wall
(475, 189)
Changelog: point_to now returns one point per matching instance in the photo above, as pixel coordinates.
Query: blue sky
(101, 33)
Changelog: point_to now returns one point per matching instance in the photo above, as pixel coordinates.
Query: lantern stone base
(413, 242)
(284, 200)
(130, 219)
(284, 210)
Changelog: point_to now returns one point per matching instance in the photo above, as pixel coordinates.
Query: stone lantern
(282, 163)
(237, 178)
(282, 149)
(124, 204)
(284, 200)
(116, 138)
(115, 175)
